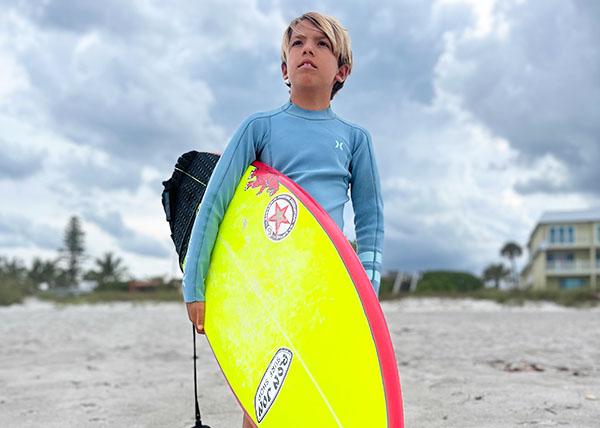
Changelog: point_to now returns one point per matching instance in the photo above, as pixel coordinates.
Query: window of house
(563, 234)
(569, 283)
(560, 257)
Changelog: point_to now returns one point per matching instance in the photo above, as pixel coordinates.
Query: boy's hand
(195, 312)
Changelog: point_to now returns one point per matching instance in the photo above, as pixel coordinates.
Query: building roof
(581, 216)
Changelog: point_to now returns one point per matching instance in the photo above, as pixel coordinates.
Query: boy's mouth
(307, 64)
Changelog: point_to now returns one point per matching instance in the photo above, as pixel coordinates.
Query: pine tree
(73, 250)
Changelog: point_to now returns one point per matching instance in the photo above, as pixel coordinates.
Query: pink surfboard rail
(370, 303)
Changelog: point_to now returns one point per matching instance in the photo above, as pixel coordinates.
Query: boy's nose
(308, 48)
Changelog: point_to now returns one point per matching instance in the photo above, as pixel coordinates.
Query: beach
(462, 363)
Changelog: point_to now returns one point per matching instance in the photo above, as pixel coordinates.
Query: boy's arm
(368, 206)
(240, 153)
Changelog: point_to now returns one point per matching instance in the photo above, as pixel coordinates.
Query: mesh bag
(183, 193)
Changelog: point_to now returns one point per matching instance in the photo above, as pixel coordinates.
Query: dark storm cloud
(126, 110)
(16, 163)
(128, 239)
(130, 99)
(421, 253)
(123, 99)
(396, 45)
(81, 16)
(538, 87)
(423, 233)
(245, 82)
(142, 82)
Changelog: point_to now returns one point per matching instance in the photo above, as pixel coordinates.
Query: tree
(448, 281)
(73, 250)
(109, 270)
(14, 284)
(512, 250)
(45, 271)
(12, 268)
(496, 273)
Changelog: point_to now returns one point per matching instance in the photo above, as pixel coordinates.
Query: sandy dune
(462, 364)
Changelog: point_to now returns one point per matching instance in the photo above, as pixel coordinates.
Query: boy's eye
(296, 42)
(323, 43)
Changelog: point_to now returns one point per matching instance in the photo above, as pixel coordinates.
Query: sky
(484, 114)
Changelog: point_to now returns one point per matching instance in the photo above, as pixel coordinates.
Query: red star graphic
(279, 217)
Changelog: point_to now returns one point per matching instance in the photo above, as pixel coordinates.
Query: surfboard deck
(291, 316)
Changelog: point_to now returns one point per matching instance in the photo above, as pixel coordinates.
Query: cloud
(99, 172)
(538, 89)
(127, 238)
(110, 15)
(139, 84)
(113, 104)
(16, 163)
(18, 232)
(481, 118)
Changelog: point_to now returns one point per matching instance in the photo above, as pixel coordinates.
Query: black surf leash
(198, 417)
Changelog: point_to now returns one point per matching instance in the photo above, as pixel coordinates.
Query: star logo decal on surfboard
(280, 217)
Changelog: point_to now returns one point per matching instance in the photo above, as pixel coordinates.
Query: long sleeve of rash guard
(368, 206)
(316, 149)
(240, 153)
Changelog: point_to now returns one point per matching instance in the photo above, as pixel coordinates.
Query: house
(564, 251)
(143, 285)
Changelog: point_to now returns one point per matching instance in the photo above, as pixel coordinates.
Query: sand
(462, 364)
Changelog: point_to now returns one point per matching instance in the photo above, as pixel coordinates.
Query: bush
(447, 281)
(11, 292)
(112, 286)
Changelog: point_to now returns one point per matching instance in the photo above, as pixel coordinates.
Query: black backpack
(183, 193)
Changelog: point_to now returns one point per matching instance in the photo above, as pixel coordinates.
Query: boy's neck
(311, 101)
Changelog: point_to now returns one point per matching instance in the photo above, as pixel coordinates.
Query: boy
(304, 140)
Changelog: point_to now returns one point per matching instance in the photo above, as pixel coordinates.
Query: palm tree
(12, 268)
(47, 271)
(512, 250)
(109, 270)
(496, 273)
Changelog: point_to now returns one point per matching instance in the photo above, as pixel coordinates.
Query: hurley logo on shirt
(339, 145)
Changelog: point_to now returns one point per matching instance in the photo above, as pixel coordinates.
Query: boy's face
(311, 65)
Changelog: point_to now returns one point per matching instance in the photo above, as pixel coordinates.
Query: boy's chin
(309, 86)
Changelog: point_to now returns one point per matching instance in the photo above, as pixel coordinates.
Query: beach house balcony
(580, 242)
(564, 251)
(569, 267)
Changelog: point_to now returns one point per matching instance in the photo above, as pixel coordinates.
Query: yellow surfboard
(291, 316)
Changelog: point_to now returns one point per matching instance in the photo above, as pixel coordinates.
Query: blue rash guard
(322, 153)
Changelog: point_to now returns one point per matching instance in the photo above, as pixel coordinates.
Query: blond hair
(337, 35)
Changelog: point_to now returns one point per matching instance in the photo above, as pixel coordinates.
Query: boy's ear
(284, 71)
(342, 73)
